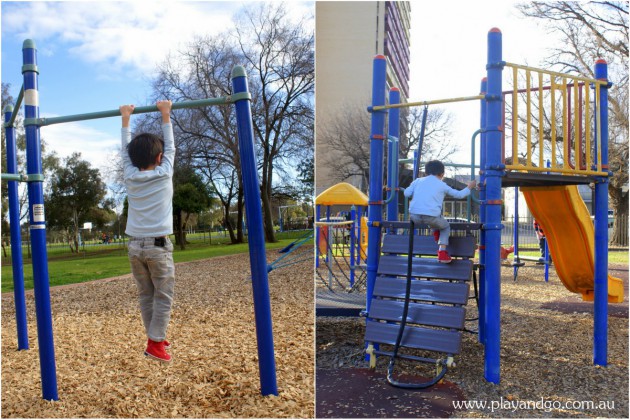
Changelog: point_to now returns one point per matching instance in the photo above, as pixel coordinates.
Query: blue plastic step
(419, 313)
(444, 341)
(459, 246)
(396, 265)
(455, 293)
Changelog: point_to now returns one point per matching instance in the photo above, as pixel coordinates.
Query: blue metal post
(256, 236)
(546, 260)
(318, 210)
(375, 204)
(600, 329)
(392, 155)
(494, 172)
(37, 223)
(16, 234)
(353, 242)
(482, 216)
(515, 230)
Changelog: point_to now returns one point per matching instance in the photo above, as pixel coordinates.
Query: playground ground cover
(112, 261)
(99, 343)
(546, 356)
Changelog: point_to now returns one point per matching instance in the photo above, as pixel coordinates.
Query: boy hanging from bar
(148, 175)
(427, 196)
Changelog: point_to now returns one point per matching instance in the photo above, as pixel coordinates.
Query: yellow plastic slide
(568, 227)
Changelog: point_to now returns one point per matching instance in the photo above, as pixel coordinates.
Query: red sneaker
(156, 351)
(436, 235)
(167, 345)
(443, 257)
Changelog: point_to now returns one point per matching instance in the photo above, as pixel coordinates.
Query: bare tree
(279, 55)
(589, 31)
(438, 142)
(346, 136)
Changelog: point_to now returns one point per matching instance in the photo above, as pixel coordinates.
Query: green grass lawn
(93, 267)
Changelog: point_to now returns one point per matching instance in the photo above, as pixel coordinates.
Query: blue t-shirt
(428, 195)
(150, 193)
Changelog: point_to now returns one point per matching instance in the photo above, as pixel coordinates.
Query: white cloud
(121, 36)
(94, 145)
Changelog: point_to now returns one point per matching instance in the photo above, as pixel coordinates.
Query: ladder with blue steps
(437, 295)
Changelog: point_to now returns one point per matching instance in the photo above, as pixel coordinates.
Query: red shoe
(167, 345)
(156, 350)
(443, 257)
(436, 235)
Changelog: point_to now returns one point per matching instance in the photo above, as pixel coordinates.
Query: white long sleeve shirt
(150, 192)
(427, 195)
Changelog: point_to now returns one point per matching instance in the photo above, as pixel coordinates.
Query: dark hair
(434, 167)
(144, 149)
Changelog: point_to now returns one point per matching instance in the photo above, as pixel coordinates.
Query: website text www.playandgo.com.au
(542, 404)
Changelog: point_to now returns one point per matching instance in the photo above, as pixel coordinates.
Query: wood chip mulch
(99, 344)
(546, 354)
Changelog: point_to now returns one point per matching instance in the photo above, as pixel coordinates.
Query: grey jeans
(436, 222)
(153, 270)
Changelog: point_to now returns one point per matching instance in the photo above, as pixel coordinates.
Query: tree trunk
(240, 237)
(179, 231)
(76, 231)
(228, 222)
(619, 202)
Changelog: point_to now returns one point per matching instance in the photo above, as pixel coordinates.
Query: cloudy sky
(95, 56)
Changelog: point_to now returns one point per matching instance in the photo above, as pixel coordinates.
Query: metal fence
(118, 245)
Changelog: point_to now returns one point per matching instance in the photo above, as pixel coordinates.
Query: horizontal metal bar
(433, 102)
(14, 177)
(450, 165)
(554, 170)
(558, 74)
(138, 110)
(16, 108)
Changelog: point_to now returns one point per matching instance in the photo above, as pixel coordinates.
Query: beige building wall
(348, 36)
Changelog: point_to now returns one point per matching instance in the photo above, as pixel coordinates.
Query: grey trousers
(153, 270)
(436, 222)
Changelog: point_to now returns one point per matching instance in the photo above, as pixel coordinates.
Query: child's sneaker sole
(149, 355)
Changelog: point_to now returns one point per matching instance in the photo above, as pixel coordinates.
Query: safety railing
(562, 131)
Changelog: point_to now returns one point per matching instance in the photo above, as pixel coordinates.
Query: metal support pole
(472, 172)
(16, 234)
(392, 155)
(494, 171)
(317, 232)
(482, 217)
(515, 224)
(256, 236)
(600, 329)
(353, 243)
(37, 222)
(375, 206)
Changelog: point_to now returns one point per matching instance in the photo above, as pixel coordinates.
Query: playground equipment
(341, 237)
(293, 253)
(582, 160)
(284, 221)
(519, 260)
(37, 221)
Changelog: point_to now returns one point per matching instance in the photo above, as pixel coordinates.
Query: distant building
(348, 36)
